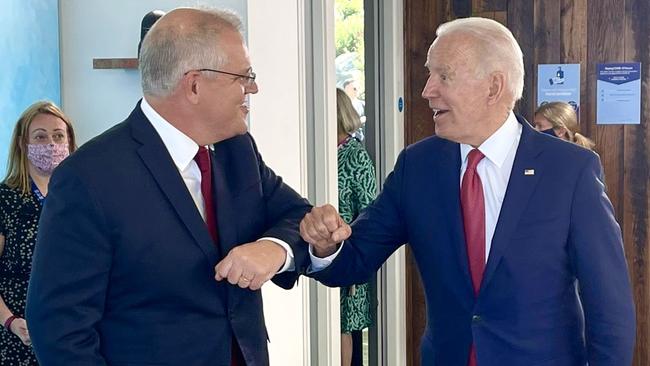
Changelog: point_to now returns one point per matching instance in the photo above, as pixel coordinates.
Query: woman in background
(42, 138)
(559, 119)
(357, 188)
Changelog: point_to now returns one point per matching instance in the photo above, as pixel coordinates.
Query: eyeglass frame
(250, 78)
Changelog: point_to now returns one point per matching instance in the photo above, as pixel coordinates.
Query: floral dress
(357, 188)
(19, 216)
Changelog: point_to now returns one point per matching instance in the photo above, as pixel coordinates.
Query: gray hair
(168, 52)
(495, 47)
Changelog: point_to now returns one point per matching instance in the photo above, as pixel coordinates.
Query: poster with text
(559, 83)
(618, 98)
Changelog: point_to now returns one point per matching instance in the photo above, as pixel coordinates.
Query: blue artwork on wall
(29, 40)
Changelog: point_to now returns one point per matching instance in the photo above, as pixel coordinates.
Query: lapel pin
(529, 171)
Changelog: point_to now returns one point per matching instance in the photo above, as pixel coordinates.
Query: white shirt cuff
(319, 264)
(289, 263)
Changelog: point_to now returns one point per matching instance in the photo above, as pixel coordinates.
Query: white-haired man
(143, 218)
(520, 255)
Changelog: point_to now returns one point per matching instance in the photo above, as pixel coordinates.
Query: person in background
(559, 119)
(357, 188)
(351, 88)
(42, 138)
(148, 21)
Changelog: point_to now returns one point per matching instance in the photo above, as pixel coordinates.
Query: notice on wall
(559, 83)
(618, 99)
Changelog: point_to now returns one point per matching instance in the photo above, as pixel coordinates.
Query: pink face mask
(46, 157)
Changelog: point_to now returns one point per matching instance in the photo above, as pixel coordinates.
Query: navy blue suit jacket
(556, 230)
(123, 271)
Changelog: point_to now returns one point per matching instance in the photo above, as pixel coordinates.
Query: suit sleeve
(284, 210)
(69, 279)
(378, 231)
(599, 260)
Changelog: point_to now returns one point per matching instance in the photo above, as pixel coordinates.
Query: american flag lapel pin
(529, 171)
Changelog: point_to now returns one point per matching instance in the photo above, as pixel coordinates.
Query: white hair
(495, 47)
(169, 52)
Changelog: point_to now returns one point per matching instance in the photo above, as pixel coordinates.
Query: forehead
(450, 51)
(233, 46)
(47, 122)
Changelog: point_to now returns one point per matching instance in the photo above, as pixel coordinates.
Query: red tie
(202, 159)
(473, 206)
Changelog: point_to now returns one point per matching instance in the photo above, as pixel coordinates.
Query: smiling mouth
(438, 112)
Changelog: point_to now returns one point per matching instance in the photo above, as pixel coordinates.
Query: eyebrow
(44, 130)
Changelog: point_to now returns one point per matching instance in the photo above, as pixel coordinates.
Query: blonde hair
(562, 115)
(347, 118)
(18, 165)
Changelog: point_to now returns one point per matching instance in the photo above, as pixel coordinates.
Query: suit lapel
(223, 193)
(521, 185)
(156, 158)
(450, 182)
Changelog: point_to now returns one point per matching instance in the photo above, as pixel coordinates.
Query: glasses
(247, 80)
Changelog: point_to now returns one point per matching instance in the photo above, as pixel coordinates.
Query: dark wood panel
(573, 47)
(606, 24)
(521, 24)
(547, 40)
(462, 8)
(547, 32)
(501, 17)
(636, 224)
(421, 19)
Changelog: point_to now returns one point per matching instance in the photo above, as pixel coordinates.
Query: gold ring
(245, 279)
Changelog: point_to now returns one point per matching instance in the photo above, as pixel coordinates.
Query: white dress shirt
(499, 150)
(182, 149)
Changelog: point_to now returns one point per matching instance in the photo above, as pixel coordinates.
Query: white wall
(99, 99)
(277, 122)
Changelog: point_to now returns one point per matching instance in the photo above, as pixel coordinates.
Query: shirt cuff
(289, 263)
(319, 264)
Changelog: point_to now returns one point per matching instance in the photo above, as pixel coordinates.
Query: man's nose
(253, 88)
(430, 88)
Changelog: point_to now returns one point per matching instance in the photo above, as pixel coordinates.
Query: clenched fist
(324, 229)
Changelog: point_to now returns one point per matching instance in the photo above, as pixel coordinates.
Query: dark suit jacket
(123, 271)
(556, 229)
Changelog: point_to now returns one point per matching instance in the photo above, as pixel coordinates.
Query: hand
(251, 265)
(324, 229)
(19, 328)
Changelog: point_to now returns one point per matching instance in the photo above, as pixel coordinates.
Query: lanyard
(37, 193)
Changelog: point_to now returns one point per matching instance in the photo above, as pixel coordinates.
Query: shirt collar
(497, 146)
(181, 148)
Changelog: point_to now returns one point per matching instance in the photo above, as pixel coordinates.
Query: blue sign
(619, 93)
(559, 83)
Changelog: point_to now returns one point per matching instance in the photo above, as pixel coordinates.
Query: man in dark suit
(515, 239)
(141, 220)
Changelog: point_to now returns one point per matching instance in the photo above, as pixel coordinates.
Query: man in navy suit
(140, 222)
(515, 239)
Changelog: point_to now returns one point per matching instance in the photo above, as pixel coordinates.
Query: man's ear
(497, 87)
(191, 86)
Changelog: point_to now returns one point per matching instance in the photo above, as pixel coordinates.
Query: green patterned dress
(357, 188)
